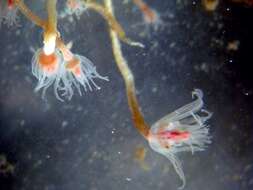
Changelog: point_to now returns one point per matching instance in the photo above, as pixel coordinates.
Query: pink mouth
(174, 135)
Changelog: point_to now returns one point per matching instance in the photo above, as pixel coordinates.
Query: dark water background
(89, 142)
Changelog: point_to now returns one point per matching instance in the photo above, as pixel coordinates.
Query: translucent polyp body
(8, 13)
(74, 7)
(182, 130)
(46, 69)
(48, 63)
(83, 72)
(150, 16)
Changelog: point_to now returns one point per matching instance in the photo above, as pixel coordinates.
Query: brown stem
(112, 22)
(29, 14)
(128, 77)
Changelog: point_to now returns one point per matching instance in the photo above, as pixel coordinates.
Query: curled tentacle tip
(61, 100)
(198, 93)
(106, 78)
(137, 44)
(133, 43)
(183, 184)
(208, 114)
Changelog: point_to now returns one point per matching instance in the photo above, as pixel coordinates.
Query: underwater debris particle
(6, 168)
(247, 2)
(210, 5)
(139, 156)
(140, 153)
(233, 45)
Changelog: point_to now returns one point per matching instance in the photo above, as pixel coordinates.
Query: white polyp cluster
(190, 118)
(64, 79)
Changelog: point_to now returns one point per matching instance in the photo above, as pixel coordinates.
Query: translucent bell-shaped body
(82, 73)
(182, 130)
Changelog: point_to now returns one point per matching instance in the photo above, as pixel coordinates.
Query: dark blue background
(89, 142)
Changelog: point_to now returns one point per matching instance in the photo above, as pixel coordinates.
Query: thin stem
(29, 14)
(128, 77)
(50, 32)
(112, 22)
(52, 15)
